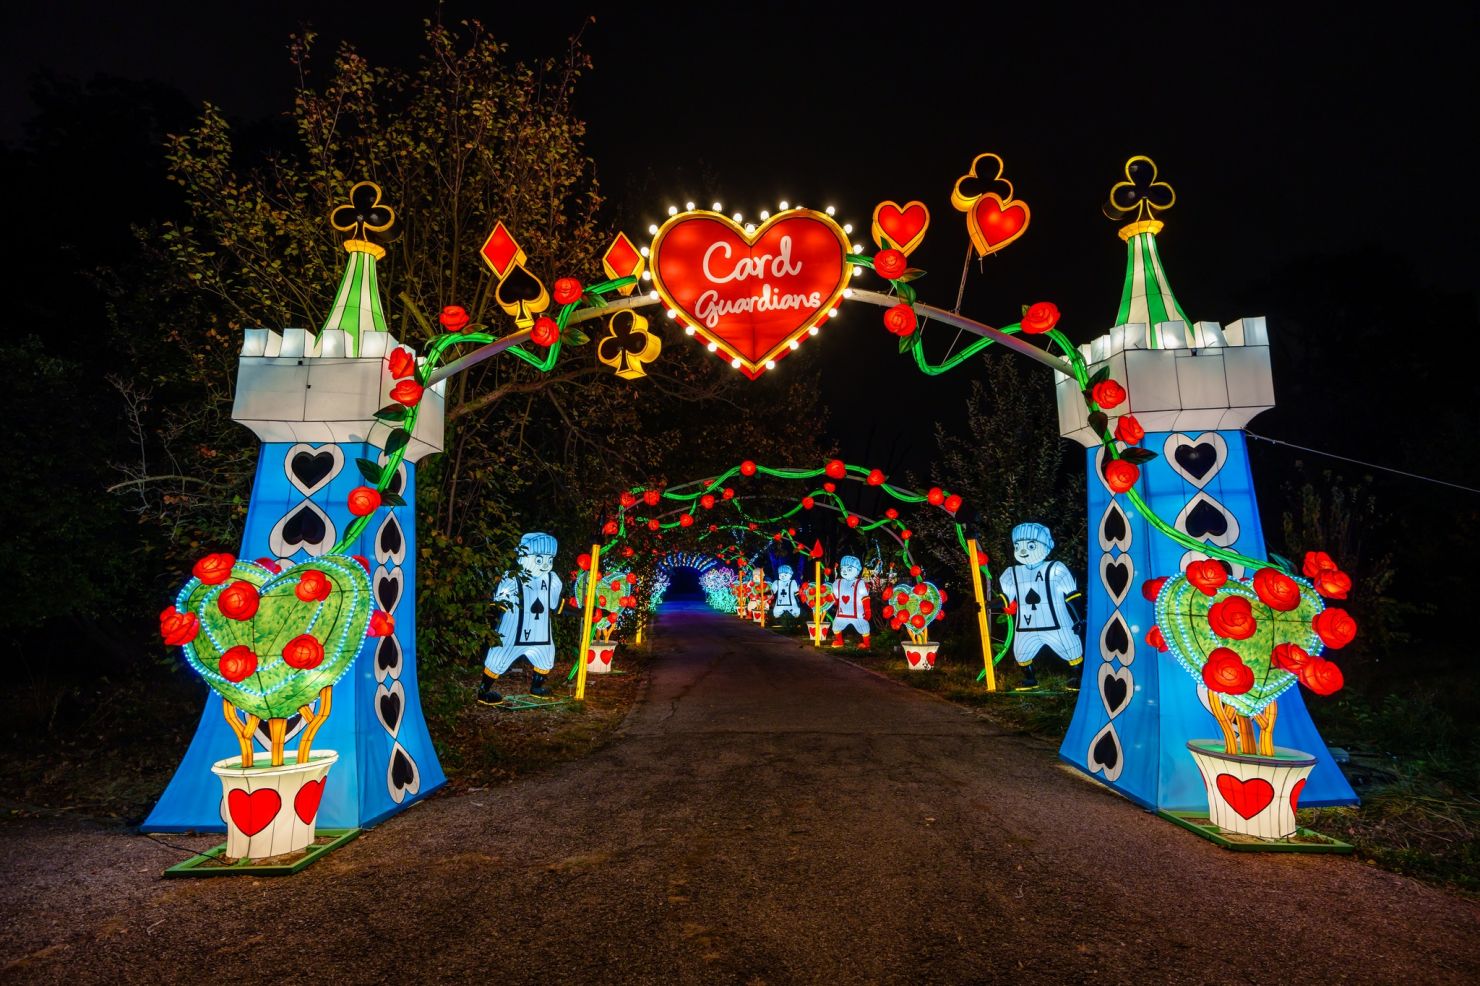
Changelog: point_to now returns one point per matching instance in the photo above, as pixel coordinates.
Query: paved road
(769, 815)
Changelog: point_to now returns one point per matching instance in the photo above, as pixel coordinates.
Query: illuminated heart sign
(751, 295)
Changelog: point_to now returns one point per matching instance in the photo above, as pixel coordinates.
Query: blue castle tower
(312, 402)
(1193, 387)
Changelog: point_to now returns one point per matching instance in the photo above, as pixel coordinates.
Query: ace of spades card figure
(533, 597)
(1038, 592)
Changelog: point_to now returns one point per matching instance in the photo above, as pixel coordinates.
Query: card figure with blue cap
(1041, 590)
(851, 592)
(784, 591)
(532, 596)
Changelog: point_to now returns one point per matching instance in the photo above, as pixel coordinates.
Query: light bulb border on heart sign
(752, 369)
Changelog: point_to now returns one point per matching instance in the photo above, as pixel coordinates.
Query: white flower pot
(920, 657)
(599, 658)
(813, 635)
(1252, 795)
(270, 811)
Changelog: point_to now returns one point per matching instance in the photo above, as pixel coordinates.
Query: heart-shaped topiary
(913, 608)
(270, 641)
(1202, 619)
(613, 595)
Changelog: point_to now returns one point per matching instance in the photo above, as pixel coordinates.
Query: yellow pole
(817, 607)
(982, 623)
(586, 620)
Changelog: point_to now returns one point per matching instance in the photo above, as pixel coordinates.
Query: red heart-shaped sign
(1295, 794)
(751, 294)
(903, 227)
(251, 813)
(999, 225)
(1249, 797)
(306, 801)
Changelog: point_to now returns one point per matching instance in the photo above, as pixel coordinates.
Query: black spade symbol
(311, 468)
(1196, 460)
(305, 527)
(1114, 691)
(388, 654)
(1205, 519)
(403, 771)
(1117, 638)
(1106, 752)
(390, 711)
(390, 537)
(388, 591)
(1032, 598)
(1113, 529)
(1117, 577)
(538, 608)
(519, 286)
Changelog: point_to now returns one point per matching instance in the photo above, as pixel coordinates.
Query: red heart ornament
(1295, 794)
(1249, 797)
(251, 813)
(997, 224)
(306, 801)
(751, 295)
(903, 227)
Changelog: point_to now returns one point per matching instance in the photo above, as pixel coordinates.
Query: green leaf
(474, 327)
(392, 413)
(1102, 374)
(594, 300)
(1098, 422)
(904, 342)
(573, 336)
(1136, 455)
(392, 499)
(369, 470)
(1283, 562)
(906, 293)
(912, 274)
(1025, 310)
(397, 441)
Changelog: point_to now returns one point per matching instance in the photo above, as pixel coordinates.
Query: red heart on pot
(251, 813)
(1249, 797)
(903, 227)
(306, 801)
(1295, 794)
(751, 294)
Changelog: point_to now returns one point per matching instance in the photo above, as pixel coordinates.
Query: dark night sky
(1287, 135)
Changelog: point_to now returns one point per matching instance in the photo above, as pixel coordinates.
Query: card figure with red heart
(851, 592)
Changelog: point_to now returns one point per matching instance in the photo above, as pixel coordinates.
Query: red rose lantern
(1129, 430)
(890, 264)
(609, 528)
(1291, 657)
(1321, 676)
(808, 503)
(1156, 639)
(935, 496)
(1107, 394)
(836, 468)
(382, 624)
(687, 520)
(875, 477)
(546, 332)
(1335, 627)
(238, 601)
(1151, 588)
(707, 501)
(566, 291)
(454, 318)
(1121, 475)
(852, 520)
(1226, 672)
(1276, 589)
(178, 628)
(1333, 583)
(363, 500)
(1207, 576)
(900, 320)
(627, 500)
(401, 362)
(407, 392)
(303, 652)
(237, 663)
(1315, 563)
(1232, 618)
(214, 569)
(651, 497)
(952, 503)
(1040, 317)
(747, 468)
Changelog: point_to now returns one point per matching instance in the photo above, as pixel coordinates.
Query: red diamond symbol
(623, 260)
(500, 252)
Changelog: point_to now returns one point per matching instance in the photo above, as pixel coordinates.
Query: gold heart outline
(751, 369)
(881, 238)
(967, 204)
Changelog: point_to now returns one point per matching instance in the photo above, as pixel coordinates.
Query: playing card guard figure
(1038, 592)
(533, 597)
(851, 592)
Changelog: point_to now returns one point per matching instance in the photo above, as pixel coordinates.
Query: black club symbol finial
(365, 212)
(1140, 197)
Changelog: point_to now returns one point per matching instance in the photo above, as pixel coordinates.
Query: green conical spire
(357, 303)
(1147, 296)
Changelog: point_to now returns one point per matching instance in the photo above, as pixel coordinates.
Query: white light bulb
(770, 364)
(673, 210)
(857, 271)
(858, 248)
(689, 330)
(643, 251)
(738, 217)
(848, 228)
(831, 211)
(765, 214)
(672, 313)
(812, 331)
(653, 229)
(795, 345)
(847, 292)
(713, 347)
(717, 207)
(833, 313)
(653, 295)
(735, 362)
(689, 206)
(647, 275)
(750, 227)
(783, 207)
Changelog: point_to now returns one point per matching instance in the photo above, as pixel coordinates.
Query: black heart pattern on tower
(1115, 530)
(310, 467)
(1208, 520)
(1116, 574)
(390, 543)
(401, 776)
(1117, 685)
(398, 481)
(303, 528)
(388, 658)
(390, 703)
(1196, 460)
(388, 588)
(1105, 755)
(1116, 640)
